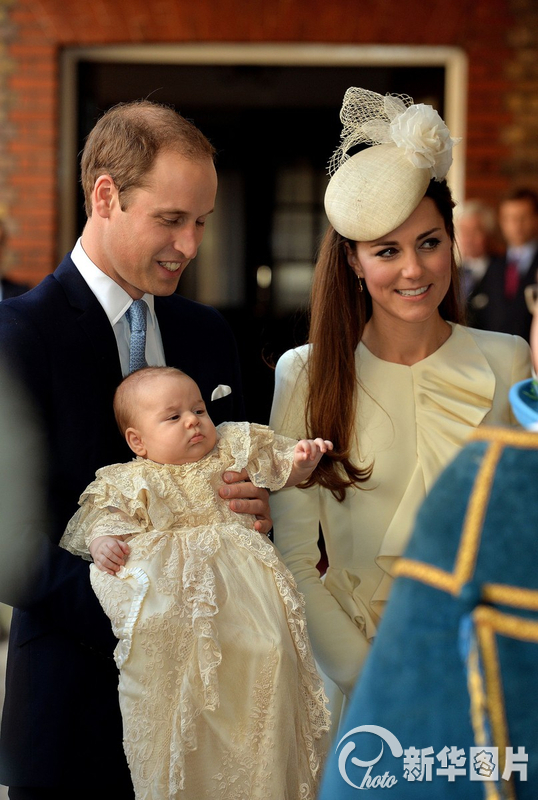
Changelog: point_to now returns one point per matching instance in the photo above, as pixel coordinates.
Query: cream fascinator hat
(375, 190)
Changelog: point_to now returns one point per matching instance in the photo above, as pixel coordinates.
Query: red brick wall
(32, 33)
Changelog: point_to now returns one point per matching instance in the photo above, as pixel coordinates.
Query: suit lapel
(186, 341)
(174, 317)
(92, 321)
(531, 275)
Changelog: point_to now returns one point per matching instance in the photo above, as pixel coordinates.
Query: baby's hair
(124, 398)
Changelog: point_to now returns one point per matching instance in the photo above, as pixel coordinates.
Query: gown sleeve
(114, 504)
(339, 646)
(270, 458)
(266, 456)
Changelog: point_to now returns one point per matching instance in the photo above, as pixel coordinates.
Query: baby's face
(172, 422)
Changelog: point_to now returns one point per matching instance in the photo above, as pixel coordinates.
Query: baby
(218, 688)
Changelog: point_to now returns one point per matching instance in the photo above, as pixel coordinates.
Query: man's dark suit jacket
(12, 289)
(487, 307)
(61, 724)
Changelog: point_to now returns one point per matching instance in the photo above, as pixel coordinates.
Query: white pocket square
(221, 391)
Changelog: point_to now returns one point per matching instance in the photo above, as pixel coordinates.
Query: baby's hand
(308, 452)
(109, 553)
(306, 457)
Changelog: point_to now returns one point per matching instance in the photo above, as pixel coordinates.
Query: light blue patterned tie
(136, 316)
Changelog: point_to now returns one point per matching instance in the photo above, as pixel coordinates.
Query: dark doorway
(275, 128)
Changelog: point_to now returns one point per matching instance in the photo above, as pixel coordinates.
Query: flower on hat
(370, 118)
(425, 138)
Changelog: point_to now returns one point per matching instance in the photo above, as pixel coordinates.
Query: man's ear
(103, 196)
(132, 437)
(353, 259)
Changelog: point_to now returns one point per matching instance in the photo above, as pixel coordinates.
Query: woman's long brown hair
(338, 313)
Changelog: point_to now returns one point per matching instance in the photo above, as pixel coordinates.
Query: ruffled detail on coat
(450, 403)
(345, 586)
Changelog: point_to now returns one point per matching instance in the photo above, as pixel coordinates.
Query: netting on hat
(366, 118)
(373, 119)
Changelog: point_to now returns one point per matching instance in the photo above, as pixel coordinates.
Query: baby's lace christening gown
(219, 693)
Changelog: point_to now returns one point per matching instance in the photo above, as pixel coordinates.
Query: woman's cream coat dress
(410, 422)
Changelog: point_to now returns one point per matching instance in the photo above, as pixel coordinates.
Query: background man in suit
(8, 288)
(475, 223)
(499, 304)
(149, 182)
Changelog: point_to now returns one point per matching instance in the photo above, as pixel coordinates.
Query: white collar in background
(114, 300)
(523, 255)
(478, 266)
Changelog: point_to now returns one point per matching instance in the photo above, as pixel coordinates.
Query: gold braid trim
(514, 596)
(507, 436)
(425, 573)
(521, 628)
(478, 700)
(490, 623)
(470, 539)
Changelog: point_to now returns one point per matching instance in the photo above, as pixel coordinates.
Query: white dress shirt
(522, 256)
(115, 302)
(477, 267)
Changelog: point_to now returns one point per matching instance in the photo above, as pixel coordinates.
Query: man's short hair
(522, 193)
(127, 139)
(478, 208)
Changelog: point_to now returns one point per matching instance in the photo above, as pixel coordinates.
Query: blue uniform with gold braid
(455, 662)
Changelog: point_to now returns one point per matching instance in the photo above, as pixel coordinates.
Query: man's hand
(245, 498)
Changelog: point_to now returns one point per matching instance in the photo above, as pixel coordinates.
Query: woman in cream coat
(401, 384)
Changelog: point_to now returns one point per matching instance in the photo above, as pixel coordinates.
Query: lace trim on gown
(121, 653)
